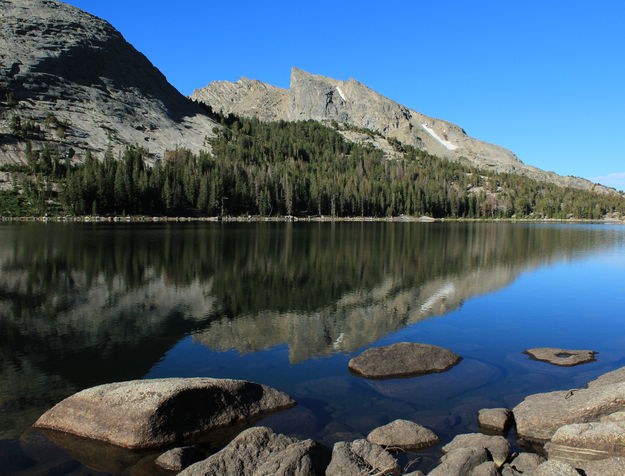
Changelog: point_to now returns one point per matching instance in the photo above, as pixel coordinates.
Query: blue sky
(545, 79)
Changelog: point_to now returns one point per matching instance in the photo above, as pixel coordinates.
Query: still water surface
(288, 305)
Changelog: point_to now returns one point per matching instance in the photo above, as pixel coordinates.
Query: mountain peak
(59, 60)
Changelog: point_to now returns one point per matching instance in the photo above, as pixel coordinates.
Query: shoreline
(291, 219)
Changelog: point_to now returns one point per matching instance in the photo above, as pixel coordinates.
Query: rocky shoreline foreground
(570, 432)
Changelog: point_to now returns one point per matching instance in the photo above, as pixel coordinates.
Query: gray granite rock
(525, 462)
(460, 462)
(580, 442)
(553, 468)
(261, 452)
(178, 459)
(562, 357)
(403, 434)
(361, 458)
(57, 59)
(495, 419)
(497, 446)
(489, 468)
(403, 359)
(538, 416)
(603, 467)
(155, 413)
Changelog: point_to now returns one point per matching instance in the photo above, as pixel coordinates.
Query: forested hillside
(287, 168)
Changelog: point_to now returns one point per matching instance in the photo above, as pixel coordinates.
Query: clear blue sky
(545, 79)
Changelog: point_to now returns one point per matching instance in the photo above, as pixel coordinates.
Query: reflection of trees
(83, 304)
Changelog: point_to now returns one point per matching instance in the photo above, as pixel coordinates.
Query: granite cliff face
(57, 59)
(350, 102)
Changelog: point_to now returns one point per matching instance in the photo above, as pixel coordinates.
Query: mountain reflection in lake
(288, 304)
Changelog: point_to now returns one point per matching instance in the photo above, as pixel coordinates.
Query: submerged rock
(178, 459)
(403, 359)
(154, 413)
(403, 434)
(261, 452)
(495, 419)
(562, 357)
(361, 458)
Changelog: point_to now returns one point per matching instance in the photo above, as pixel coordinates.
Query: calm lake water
(288, 305)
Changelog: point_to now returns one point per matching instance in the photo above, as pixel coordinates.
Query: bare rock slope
(55, 58)
(349, 102)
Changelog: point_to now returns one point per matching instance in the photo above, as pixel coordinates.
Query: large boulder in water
(154, 413)
(259, 452)
(404, 359)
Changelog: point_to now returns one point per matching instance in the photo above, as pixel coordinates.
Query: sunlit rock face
(86, 305)
(57, 59)
(316, 97)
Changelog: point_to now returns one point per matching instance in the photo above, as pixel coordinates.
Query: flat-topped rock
(361, 458)
(494, 419)
(154, 413)
(261, 452)
(539, 416)
(404, 359)
(562, 357)
(403, 434)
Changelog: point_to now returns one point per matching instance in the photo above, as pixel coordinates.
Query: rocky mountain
(349, 102)
(75, 84)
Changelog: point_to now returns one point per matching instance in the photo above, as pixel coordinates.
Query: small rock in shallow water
(178, 459)
(495, 419)
(403, 359)
(562, 357)
(403, 434)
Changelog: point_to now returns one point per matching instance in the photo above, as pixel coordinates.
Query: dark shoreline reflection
(82, 304)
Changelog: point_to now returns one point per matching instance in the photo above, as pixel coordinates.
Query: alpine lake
(288, 305)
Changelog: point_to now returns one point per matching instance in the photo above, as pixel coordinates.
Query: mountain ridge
(350, 102)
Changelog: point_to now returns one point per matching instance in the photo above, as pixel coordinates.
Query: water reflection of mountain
(82, 305)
